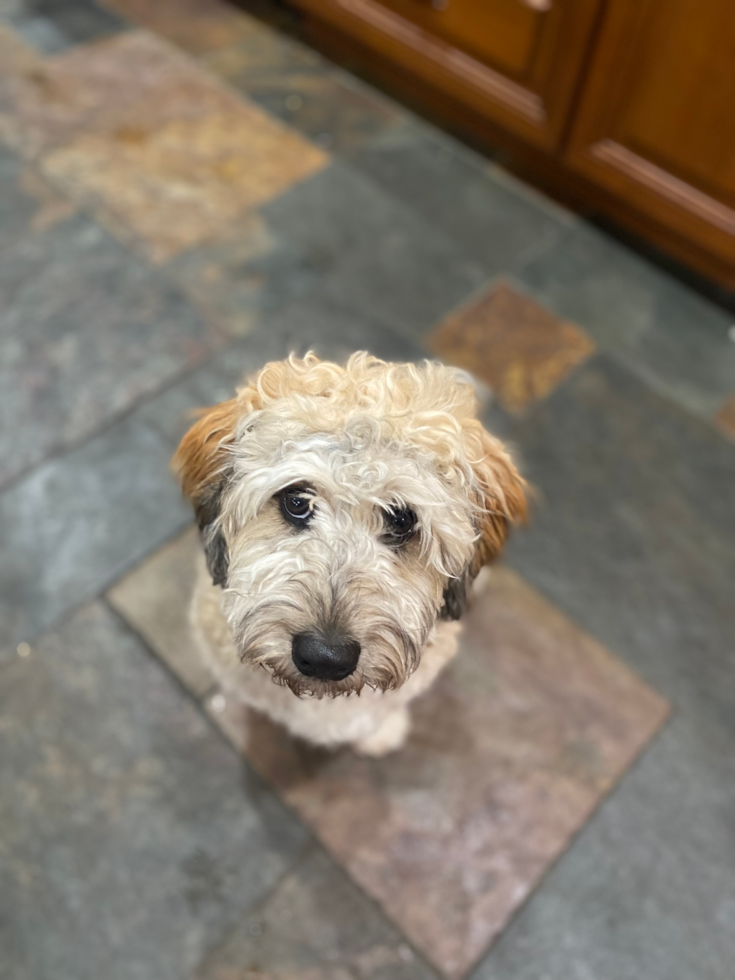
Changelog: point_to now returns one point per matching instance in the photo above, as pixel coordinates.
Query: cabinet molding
(533, 106)
(665, 184)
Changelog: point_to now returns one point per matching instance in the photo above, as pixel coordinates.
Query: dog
(344, 514)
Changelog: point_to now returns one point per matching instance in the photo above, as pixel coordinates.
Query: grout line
(531, 194)
(312, 843)
(196, 700)
(198, 703)
(536, 249)
(591, 817)
(35, 635)
(115, 418)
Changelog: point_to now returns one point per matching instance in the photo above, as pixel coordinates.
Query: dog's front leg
(389, 737)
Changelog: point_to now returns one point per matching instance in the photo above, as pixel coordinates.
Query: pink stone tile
(511, 752)
(158, 148)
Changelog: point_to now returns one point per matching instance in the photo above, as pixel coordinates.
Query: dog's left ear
(500, 497)
(202, 464)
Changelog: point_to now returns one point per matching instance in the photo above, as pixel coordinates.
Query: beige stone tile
(181, 184)
(511, 752)
(154, 598)
(161, 151)
(518, 347)
(51, 100)
(15, 55)
(240, 278)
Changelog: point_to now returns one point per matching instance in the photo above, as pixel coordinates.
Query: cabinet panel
(657, 119)
(516, 62)
(500, 33)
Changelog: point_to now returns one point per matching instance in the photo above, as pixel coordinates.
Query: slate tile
(634, 531)
(264, 53)
(18, 60)
(336, 213)
(154, 599)
(318, 321)
(76, 523)
(516, 346)
(85, 330)
(648, 889)
(196, 26)
(251, 272)
(659, 328)
(330, 109)
(28, 203)
(374, 253)
(725, 417)
(510, 753)
(133, 838)
(173, 411)
(316, 924)
(51, 26)
(459, 195)
(166, 154)
(327, 321)
(410, 283)
(299, 87)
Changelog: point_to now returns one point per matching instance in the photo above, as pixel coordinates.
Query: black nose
(327, 658)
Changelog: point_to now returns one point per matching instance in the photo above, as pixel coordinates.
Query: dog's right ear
(501, 503)
(202, 465)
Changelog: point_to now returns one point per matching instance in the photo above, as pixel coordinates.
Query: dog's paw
(388, 738)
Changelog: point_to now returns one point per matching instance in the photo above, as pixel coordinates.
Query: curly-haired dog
(344, 513)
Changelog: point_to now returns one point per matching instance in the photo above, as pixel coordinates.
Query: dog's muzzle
(323, 657)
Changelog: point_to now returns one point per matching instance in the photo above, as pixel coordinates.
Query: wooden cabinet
(656, 122)
(514, 61)
(626, 107)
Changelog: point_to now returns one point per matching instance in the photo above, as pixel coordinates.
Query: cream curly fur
(362, 440)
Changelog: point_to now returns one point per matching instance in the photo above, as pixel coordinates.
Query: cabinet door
(656, 123)
(516, 61)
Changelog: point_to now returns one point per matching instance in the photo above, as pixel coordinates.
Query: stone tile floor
(185, 193)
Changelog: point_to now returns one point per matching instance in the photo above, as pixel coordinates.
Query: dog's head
(343, 510)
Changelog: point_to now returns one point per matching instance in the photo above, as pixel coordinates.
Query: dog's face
(343, 510)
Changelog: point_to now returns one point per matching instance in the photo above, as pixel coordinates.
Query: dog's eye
(297, 505)
(400, 524)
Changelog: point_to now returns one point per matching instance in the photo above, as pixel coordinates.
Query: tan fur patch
(201, 456)
(503, 491)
